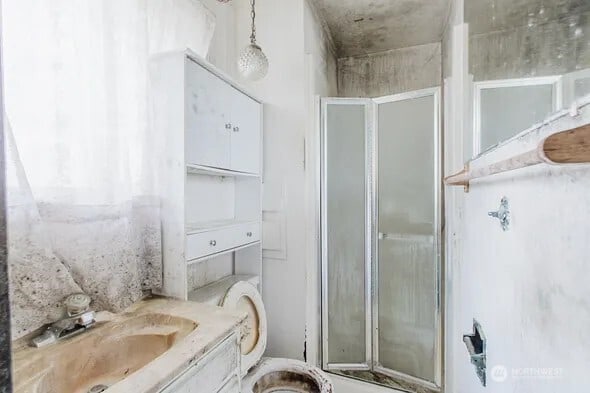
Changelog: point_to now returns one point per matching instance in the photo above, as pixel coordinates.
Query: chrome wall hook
(502, 214)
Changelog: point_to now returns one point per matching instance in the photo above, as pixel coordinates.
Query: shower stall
(381, 239)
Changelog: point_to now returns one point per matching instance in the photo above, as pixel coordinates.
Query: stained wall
(391, 72)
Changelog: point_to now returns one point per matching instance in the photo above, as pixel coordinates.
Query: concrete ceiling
(495, 15)
(360, 27)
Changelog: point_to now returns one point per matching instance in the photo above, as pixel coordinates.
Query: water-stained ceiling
(360, 27)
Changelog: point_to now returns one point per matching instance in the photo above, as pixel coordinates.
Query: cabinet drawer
(207, 243)
(202, 244)
(249, 233)
(210, 372)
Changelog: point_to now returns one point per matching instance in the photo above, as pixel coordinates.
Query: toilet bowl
(285, 375)
(269, 374)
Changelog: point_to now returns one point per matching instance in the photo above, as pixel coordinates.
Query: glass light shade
(253, 64)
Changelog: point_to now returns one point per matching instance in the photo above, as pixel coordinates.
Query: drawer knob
(213, 243)
(236, 129)
(249, 234)
(228, 126)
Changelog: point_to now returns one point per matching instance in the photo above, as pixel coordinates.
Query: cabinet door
(245, 138)
(211, 371)
(207, 116)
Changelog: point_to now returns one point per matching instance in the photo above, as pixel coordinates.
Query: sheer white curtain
(83, 206)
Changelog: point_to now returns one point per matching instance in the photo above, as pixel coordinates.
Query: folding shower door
(381, 268)
(346, 238)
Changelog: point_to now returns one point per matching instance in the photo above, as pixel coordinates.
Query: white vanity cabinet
(223, 125)
(217, 371)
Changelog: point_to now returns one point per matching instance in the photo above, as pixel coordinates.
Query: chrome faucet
(78, 319)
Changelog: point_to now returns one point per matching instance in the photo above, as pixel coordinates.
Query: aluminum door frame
(435, 92)
(369, 225)
(371, 221)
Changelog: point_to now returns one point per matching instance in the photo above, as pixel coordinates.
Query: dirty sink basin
(99, 358)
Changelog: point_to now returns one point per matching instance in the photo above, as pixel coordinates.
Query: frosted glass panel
(582, 87)
(406, 245)
(506, 111)
(345, 215)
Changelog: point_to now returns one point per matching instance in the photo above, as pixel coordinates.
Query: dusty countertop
(39, 369)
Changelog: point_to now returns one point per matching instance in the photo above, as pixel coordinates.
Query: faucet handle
(46, 338)
(502, 214)
(77, 303)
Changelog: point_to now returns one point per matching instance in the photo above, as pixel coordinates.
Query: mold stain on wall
(361, 27)
(391, 72)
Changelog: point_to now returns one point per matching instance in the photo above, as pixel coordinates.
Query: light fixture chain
(253, 15)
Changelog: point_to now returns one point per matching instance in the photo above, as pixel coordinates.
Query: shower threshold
(384, 380)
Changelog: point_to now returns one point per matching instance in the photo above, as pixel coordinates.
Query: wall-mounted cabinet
(223, 124)
(210, 133)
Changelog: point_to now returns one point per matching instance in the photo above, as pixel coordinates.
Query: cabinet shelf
(214, 292)
(217, 254)
(207, 226)
(193, 169)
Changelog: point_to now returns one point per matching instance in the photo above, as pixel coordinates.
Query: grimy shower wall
(556, 47)
(392, 72)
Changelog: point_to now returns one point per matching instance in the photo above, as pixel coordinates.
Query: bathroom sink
(100, 358)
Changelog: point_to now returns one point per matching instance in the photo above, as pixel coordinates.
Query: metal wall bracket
(502, 214)
(476, 346)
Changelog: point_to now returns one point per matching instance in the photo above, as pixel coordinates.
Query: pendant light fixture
(253, 64)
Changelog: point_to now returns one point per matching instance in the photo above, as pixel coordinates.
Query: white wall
(321, 74)
(282, 28)
(523, 285)
(527, 286)
(223, 50)
(454, 67)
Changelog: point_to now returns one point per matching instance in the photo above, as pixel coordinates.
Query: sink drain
(98, 389)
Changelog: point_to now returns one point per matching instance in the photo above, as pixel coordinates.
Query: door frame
(435, 92)
(367, 103)
(371, 255)
(568, 85)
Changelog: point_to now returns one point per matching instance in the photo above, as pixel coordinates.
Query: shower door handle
(405, 237)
